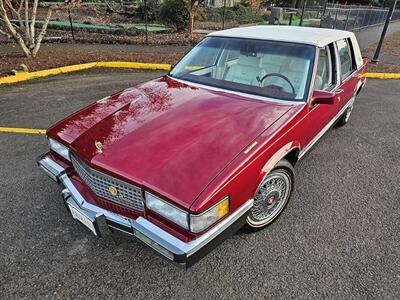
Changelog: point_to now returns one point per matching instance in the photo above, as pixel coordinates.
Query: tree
(23, 31)
(192, 7)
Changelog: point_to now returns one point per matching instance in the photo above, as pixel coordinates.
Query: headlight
(58, 148)
(167, 210)
(197, 222)
(200, 222)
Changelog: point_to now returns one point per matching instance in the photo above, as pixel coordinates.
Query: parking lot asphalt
(337, 239)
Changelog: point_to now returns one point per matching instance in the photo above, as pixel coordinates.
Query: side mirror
(322, 97)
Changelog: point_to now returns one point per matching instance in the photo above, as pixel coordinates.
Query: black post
(145, 20)
(290, 19)
(302, 12)
(70, 24)
(223, 15)
(375, 59)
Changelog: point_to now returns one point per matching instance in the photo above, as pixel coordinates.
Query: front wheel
(271, 196)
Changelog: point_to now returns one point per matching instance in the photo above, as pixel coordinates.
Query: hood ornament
(99, 146)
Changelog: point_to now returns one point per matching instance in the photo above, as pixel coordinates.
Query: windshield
(268, 68)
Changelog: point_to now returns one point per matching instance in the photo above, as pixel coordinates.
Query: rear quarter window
(346, 58)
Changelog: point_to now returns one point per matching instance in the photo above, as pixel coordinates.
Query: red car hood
(167, 136)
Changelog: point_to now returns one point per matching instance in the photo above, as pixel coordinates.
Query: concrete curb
(23, 76)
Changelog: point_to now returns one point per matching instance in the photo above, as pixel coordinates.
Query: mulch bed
(56, 57)
(390, 46)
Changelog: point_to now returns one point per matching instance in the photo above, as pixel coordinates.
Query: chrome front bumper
(153, 236)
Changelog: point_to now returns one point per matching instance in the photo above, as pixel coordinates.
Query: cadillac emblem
(99, 146)
(113, 190)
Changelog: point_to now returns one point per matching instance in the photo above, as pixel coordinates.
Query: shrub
(240, 13)
(173, 13)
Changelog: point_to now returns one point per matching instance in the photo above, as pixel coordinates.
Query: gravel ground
(337, 239)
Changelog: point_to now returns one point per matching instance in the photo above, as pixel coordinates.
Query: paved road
(338, 238)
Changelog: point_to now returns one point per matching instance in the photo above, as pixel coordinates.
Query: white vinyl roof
(306, 35)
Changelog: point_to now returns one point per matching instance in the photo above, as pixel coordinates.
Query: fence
(350, 17)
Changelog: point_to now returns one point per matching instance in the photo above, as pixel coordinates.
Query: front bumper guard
(162, 242)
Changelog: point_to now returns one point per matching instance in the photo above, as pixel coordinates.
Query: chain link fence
(350, 17)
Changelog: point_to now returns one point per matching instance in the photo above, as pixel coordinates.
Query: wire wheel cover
(270, 198)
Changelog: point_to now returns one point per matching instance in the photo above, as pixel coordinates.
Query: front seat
(245, 71)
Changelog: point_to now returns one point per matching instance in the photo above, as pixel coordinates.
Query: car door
(326, 79)
(348, 72)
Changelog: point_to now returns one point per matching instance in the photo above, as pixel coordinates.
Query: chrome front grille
(107, 187)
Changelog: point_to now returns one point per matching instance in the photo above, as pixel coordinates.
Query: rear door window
(346, 58)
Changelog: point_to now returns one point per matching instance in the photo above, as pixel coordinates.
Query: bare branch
(42, 32)
(33, 20)
(17, 12)
(27, 34)
(10, 6)
(15, 35)
(6, 34)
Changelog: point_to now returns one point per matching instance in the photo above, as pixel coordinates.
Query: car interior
(284, 74)
(323, 78)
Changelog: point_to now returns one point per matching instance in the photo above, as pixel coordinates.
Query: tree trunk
(42, 33)
(33, 21)
(191, 22)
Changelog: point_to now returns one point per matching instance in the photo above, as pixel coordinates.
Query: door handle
(339, 91)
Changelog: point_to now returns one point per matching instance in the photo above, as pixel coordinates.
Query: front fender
(278, 156)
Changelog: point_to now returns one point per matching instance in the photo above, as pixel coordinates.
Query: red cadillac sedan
(184, 161)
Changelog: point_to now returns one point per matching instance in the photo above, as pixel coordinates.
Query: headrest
(297, 64)
(249, 60)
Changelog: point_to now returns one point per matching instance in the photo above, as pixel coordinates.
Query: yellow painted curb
(133, 65)
(23, 76)
(382, 75)
(22, 130)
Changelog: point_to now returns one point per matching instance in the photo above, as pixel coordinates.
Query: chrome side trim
(325, 129)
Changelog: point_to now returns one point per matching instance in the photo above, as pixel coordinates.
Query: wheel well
(292, 156)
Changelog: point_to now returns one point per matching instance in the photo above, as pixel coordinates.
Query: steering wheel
(277, 75)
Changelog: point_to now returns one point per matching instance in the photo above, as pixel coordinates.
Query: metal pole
(146, 21)
(290, 19)
(70, 24)
(223, 15)
(302, 12)
(375, 59)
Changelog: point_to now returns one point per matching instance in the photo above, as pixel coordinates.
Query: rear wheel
(345, 117)
(271, 196)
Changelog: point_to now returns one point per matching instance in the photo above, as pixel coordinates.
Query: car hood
(167, 136)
